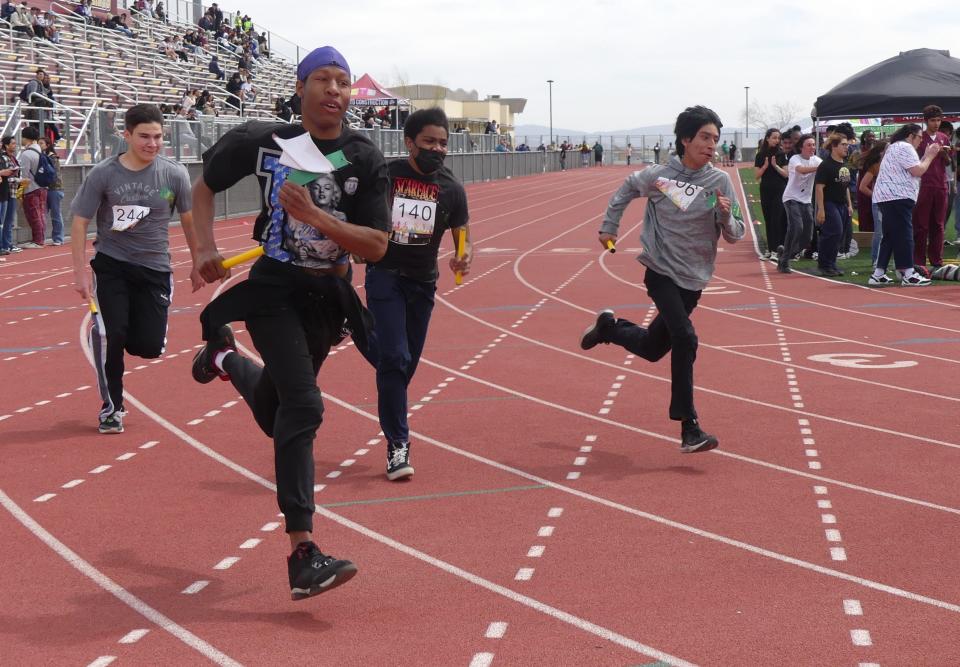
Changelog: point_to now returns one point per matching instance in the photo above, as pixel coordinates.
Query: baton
(458, 275)
(93, 307)
(611, 247)
(253, 253)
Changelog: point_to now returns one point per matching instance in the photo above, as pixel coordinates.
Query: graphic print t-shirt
(422, 209)
(894, 181)
(356, 192)
(134, 208)
(835, 178)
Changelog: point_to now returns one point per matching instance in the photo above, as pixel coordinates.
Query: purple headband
(325, 56)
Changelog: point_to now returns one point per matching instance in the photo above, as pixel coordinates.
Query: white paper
(302, 154)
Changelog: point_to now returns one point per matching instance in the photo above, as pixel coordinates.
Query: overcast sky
(616, 64)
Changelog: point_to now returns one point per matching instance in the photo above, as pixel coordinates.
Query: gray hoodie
(681, 225)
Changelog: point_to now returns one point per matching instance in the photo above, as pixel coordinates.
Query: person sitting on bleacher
(21, 20)
(7, 9)
(119, 23)
(53, 30)
(215, 69)
(206, 22)
(159, 13)
(166, 48)
(191, 41)
(179, 49)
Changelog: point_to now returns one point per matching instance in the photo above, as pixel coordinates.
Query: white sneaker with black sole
(915, 280)
(398, 461)
(879, 281)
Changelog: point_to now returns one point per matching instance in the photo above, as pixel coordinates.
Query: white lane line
(196, 643)
(545, 531)
(861, 638)
(195, 587)
(228, 404)
(267, 527)
(100, 469)
(149, 445)
(524, 574)
(212, 413)
(852, 608)
(838, 553)
(536, 551)
(72, 483)
(580, 461)
(555, 512)
(103, 661)
(482, 660)
(226, 563)
(133, 636)
(573, 475)
(333, 474)
(347, 463)
(832, 535)
(496, 630)
(44, 498)
(828, 518)
(360, 452)
(194, 422)
(251, 543)
(127, 456)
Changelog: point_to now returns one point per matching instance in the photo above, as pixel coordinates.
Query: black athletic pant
(285, 400)
(671, 331)
(132, 301)
(771, 203)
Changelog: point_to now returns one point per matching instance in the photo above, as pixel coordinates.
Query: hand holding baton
(253, 253)
(611, 247)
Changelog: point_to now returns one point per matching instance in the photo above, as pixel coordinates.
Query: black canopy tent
(900, 85)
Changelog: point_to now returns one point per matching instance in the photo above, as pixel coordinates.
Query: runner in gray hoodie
(689, 205)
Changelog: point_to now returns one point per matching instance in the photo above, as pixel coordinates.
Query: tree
(779, 115)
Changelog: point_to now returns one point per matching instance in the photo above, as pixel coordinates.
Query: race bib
(126, 216)
(680, 193)
(412, 221)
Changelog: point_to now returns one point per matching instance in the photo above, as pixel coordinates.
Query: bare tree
(778, 115)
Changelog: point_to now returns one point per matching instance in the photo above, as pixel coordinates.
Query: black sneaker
(398, 461)
(312, 572)
(204, 370)
(693, 439)
(596, 332)
(112, 423)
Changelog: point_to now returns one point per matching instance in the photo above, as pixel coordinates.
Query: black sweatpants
(671, 331)
(132, 303)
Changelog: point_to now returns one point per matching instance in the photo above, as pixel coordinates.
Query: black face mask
(429, 161)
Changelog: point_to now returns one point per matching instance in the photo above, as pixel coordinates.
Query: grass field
(857, 269)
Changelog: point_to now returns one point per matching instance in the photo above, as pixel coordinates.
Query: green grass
(857, 269)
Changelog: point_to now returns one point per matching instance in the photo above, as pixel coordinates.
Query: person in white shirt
(798, 201)
(898, 185)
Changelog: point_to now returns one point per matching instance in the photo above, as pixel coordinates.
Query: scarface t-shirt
(422, 208)
(356, 192)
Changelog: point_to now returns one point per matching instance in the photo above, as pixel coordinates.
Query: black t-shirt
(5, 163)
(422, 209)
(356, 192)
(771, 177)
(835, 178)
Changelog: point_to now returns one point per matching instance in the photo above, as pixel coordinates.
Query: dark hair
(846, 129)
(30, 133)
(420, 119)
(867, 133)
(947, 128)
(904, 132)
(874, 155)
(932, 111)
(764, 149)
(803, 139)
(7, 140)
(689, 123)
(142, 113)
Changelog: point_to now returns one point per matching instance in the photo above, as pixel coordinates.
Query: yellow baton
(460, 234)
(253, 253)
(612, 248)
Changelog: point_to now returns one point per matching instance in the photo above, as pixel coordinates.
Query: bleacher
(94, 66)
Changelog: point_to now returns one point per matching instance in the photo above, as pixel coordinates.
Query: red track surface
(550, 495)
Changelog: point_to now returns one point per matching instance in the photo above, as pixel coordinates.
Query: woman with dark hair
(869, 168)
(898, 184)
(9, 173)
(770, 169)
(865, 218)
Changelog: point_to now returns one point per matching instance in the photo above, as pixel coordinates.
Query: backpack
(46, 173)
(24, 95)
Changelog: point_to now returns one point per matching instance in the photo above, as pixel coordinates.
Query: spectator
(770, 169)
(53, 29)
(501, 146)
(543, 147)
(628, 153)
(7, 10)
(724, 153)
(931, 209)
(282, 110)
(584, 154)
(31, 95)
(861, 197)
(235, 87)
(166, 48)
(656, 153)
(834, 207)
(22, 22)
(563, 155)
(191, 41)
(140, 7)
(34, 196)
(898, 184)
(732, 150)
(598, 154)
(9, 177)
(946, 128)
(206, 22)
(179, 49)
(189, 99)
(798, 202)
(248, 92)
(159, 13)
(869, 169)
(217, 16)
(295, 103)
(54, 192)
(215, 69)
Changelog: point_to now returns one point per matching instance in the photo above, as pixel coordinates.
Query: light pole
(550, 85)
(746, 93)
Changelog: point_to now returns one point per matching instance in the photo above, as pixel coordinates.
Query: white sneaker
(915, 280)
(880, 280)
(30, 245)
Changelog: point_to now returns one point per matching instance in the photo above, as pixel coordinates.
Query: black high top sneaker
(312, 572)
(693, 439)
(204, 370)
(398, 461)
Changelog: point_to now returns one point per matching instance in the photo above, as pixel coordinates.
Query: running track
(552, 520)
